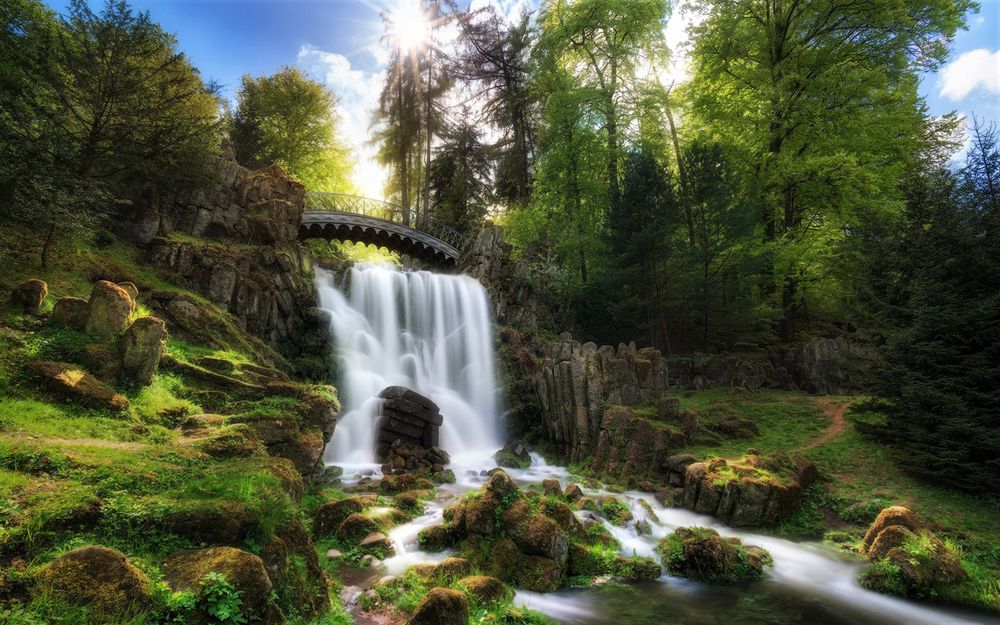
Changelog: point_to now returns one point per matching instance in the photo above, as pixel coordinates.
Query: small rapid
(433, 333)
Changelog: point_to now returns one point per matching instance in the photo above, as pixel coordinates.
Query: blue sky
(338, 43)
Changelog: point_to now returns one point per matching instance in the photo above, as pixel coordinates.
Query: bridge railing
(369, 207)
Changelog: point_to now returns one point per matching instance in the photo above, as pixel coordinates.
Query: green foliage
(291, 120)
(220, 600)
(935, 287)
(94, 107)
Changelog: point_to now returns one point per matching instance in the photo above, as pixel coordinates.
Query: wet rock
(407, 417)
(29, 295)
(702, 554)
(635, 569)
(142, 349)
(398, 483)
(245, 571)
(70, 313)
(484, 589)
(378, 543)
(573, 492)
(407, 458)
(441, 606)
(74, 382)
(437, 538)
(110, 307)
(514, 455)
(541, 536)
(97, 577)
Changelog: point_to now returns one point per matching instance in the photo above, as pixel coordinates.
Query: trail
(834, 409)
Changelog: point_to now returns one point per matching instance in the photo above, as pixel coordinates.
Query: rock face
(700, 553)
(29, 295)
(407, 417)
(142, 349)
(71, 380)
(441, 606)
(630, 446)
(109, 309)
(100, 578)
(575, 383)
(240, 248)
(752, 493)
(245, 571)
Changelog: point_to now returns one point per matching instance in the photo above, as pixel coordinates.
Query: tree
(936, 380)
(459, 178)
(602, 44)
(100, 106)
(494, 60)
(819, 97)
(288, 119)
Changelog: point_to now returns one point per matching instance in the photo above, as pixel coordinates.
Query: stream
(433, 333)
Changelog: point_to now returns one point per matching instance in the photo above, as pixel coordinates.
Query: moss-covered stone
(701, 553)
(355, 527)
(441, 606)
(98, 577)
(330, 515)
(246, 572)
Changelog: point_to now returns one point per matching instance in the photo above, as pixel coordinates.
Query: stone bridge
(338, 216)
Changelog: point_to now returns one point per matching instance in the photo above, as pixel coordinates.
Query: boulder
(131, 289)
(109, 310)
(103, 361)
(70, 313)
(378, 543)
(484, 589)
(893, 515)
(451, 569)
(185, 571)
(72, 381)
(514, 455)
(573, 492)
(541, 536)
(552, 487)
(142, 349)
(701, 553)
(409, 418)
(100, 578)
(331, 514)
(356, 527)
(29, 295)
(441, 606)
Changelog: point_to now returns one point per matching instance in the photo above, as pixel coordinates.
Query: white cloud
(972, 70)
(358, 92)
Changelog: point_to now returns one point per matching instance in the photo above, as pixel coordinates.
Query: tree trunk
(47, 246)
(427, 129)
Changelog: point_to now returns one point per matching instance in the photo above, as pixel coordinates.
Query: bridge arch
(337, 216)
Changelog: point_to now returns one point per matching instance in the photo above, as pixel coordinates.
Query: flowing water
(433, 333)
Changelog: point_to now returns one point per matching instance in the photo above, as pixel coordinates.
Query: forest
(785, 186)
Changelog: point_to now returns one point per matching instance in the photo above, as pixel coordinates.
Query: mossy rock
(484, 589)
(402, 482)
(231, 441)
(701, 553)
(331, 514)
(186, 571)
(437, 538)
(441, 606)
(914, 564)
(98, 577)
(355, 527)
(635, 569)
(293, 566)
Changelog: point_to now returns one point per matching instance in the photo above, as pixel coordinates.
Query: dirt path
(834, 410)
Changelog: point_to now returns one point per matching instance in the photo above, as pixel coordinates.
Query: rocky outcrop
(514, 455)
(407, 417)
(28, 296)
(100, 578)
(72, 381)
(575, 383)
(756, 491)
(829, 366)
(630, 446)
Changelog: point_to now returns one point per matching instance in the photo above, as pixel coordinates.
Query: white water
(428, 332)
(433, 333)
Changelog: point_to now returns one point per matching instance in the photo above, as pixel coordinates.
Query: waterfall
(429, 332)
